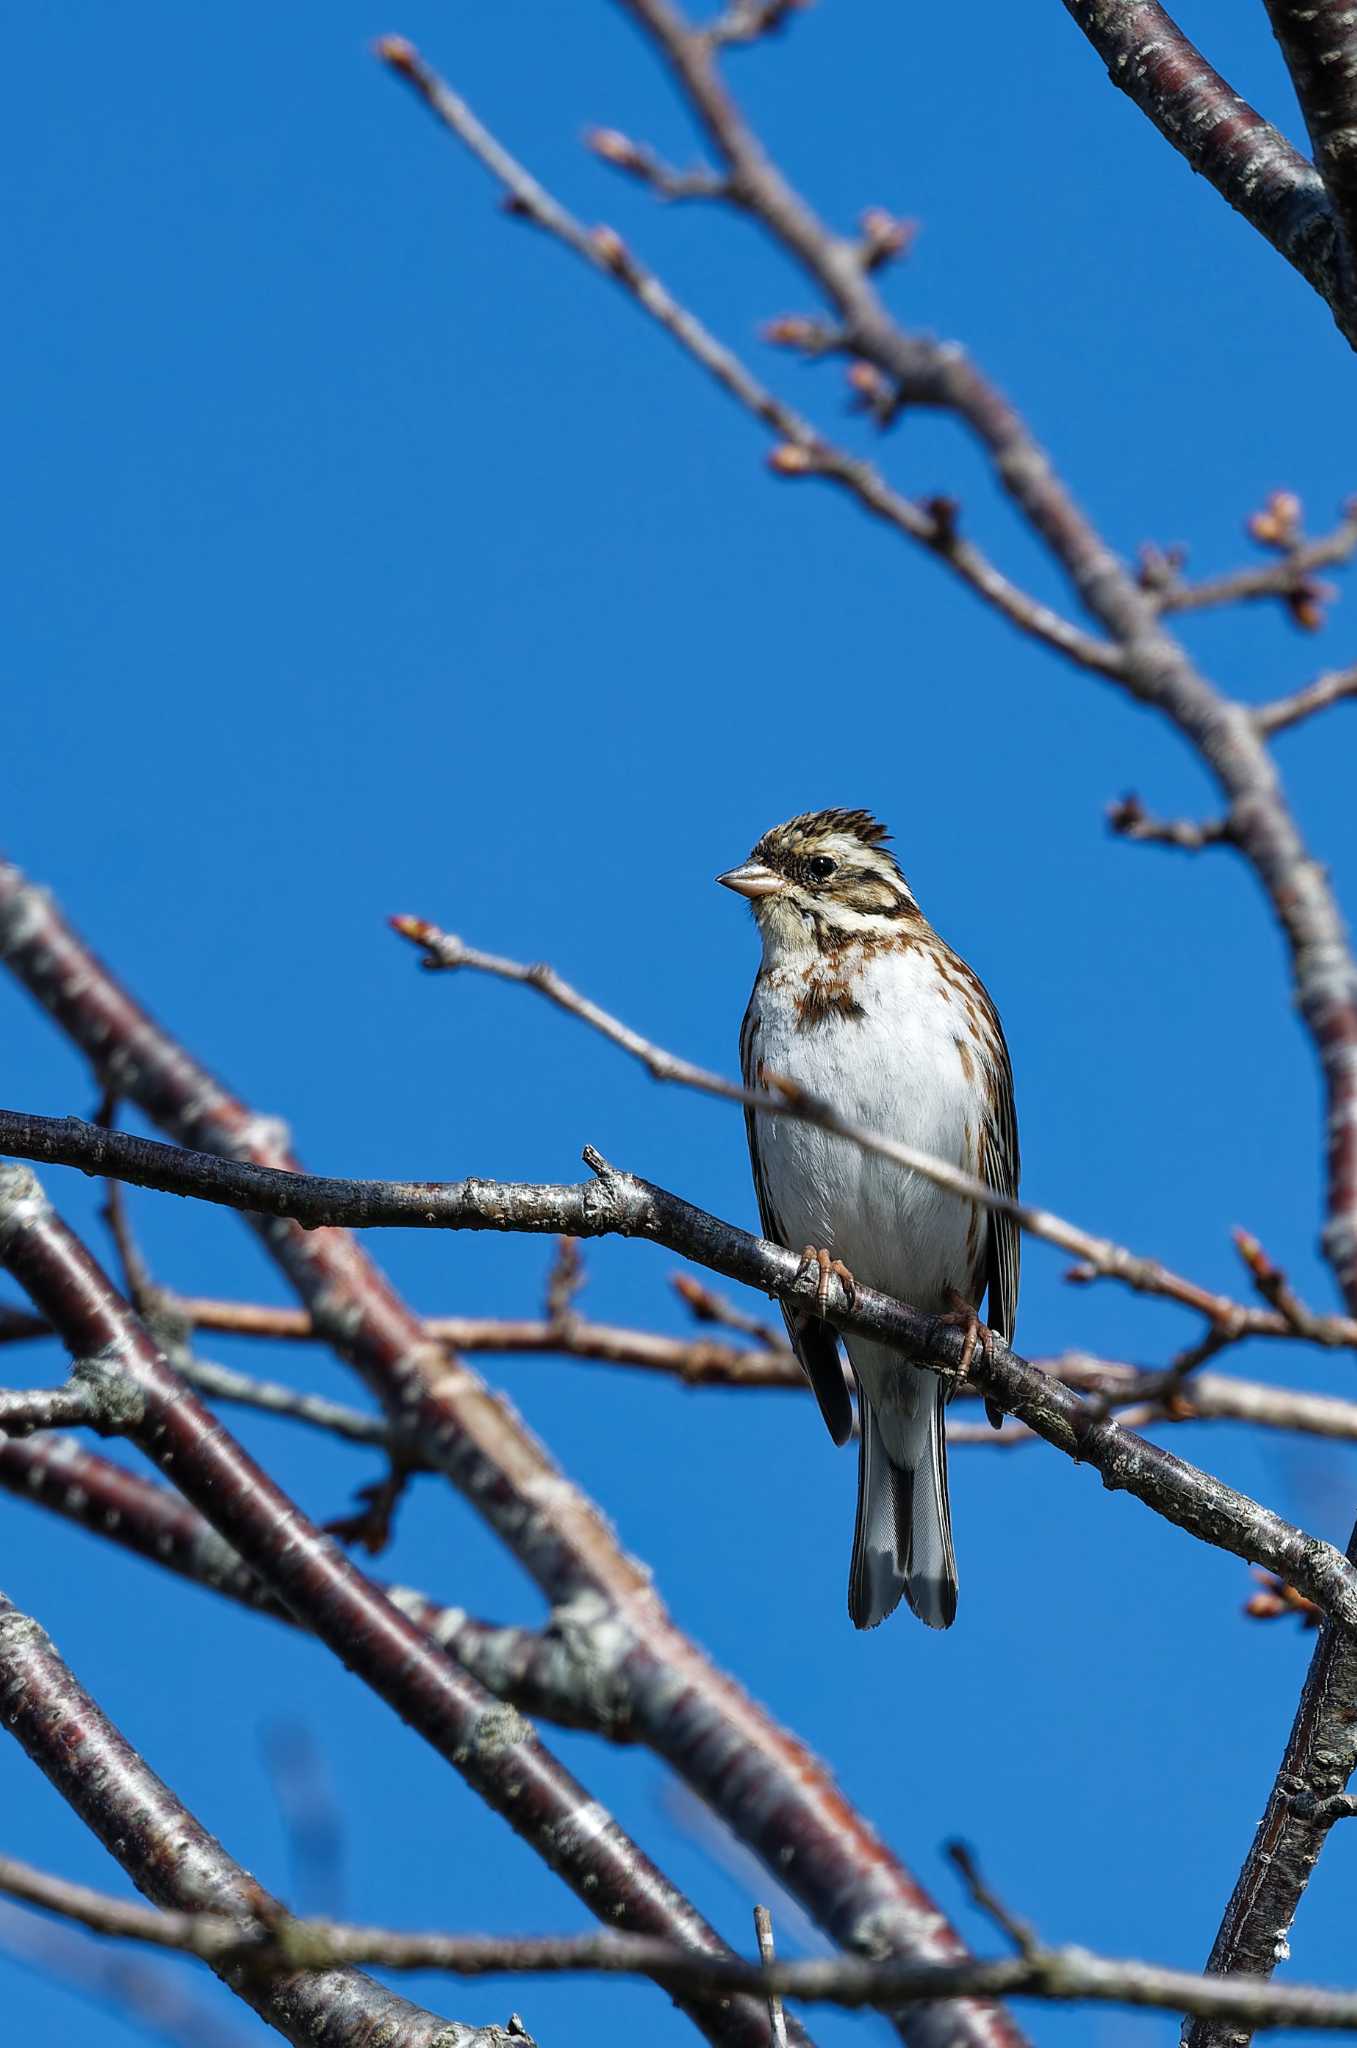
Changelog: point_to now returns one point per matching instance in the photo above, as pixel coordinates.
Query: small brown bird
(861, 1002)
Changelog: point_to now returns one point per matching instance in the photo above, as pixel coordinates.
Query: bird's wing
(815, 1342)
(999, 1170)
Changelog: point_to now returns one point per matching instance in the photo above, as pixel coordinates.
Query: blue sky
(367, 554)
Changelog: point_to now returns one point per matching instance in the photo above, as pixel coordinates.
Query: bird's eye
(822, 867)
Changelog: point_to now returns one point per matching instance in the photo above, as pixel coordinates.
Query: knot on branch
(592, 1644)
(116, 1404)
(610, 1200)
(500, 1728)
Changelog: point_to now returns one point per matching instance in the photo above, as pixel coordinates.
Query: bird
(858, 1001)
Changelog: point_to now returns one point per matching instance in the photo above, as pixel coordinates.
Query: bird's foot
(816, 1255)
(962, 1316)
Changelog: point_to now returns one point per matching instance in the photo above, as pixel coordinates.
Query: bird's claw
(962, 1316)
(816, 1255)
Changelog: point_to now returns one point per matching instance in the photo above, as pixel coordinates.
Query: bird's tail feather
(902, 1541)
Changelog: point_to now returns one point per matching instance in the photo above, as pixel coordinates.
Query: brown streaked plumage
(861, 1002)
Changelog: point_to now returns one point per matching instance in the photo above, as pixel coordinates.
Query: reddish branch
(775, 1795)
(171, 1857)
(1319, 42)
(1252, 166)
(135, 1393)
(537, 1671)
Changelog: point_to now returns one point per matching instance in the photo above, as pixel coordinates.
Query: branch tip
(885, 237)
(1277, 523)
(789, 458)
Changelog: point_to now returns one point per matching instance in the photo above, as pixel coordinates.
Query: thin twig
(987, 1901)
(745, 21)
(639, 162)
(1060, 1975)
(1129, 819)
(1285, 712)
(803, 450)
(146, 1994)
(1291, 576)
(1098, 1256)
(763, 1931)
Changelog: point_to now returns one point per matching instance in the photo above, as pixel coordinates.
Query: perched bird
(859, 1001)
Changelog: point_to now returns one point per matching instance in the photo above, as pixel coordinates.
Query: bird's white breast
(899, 1070)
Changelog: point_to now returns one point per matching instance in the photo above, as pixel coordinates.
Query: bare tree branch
(1252, 166)
(172, 1859)
(1057, 1975)
(700, 1361)
(145, 1994)
(1098, 1256)
(1153, 667)
(317, 1201)
(542, 1672)
(1291, 577)
(138, 1395)
(1284, 197)
(1129, 819)
(21, 1412)
(1319, 42)
(1204, 1397)
(803, 450)
(618, 1202)
(773, 1793)
(1317, 696)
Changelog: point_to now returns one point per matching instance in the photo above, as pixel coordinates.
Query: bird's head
(823, 880)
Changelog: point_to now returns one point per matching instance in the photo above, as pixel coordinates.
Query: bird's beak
(752, 880)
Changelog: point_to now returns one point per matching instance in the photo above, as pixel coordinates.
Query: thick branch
(492, 1747)
(548, 1673)
(318, 1201)
(172, 1859)
(1319, 42)
(1252, 166)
